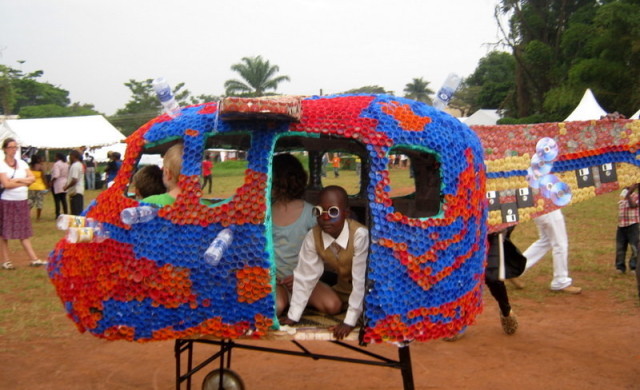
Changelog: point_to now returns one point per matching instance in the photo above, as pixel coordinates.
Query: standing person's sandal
(7, 265)
(37, 263)
(509, 323)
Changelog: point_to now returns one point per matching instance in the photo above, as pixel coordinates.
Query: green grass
(29, 307)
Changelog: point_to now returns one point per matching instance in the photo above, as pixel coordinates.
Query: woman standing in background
(15, 221)
(39, 186)
(59, 174)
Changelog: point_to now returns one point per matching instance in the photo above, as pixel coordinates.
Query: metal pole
(405, 367)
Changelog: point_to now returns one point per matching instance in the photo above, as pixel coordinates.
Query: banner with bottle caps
(150, 281)
(537, 168)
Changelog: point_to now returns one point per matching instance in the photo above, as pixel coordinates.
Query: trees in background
(258, 77)
(419, 90)
(367, 89)
(563, 47)
(144, 104)
(490, 86)
(23, 94)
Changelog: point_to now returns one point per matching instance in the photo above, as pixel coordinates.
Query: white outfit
(17, 193)
(310, 267)
(76, 171)
(553, 235)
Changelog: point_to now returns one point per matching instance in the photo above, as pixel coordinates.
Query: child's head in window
(148, 181)
(172, 163)
(289, 179)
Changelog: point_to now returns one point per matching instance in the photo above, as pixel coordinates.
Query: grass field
(29, 307)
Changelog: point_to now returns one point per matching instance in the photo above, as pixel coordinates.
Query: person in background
(553, 235)
(113, 166)
(207, 167)
(90, 171)
(514, 263)
(59, 173)
(148, 181)
(325, 162)
(39, 186)
(341, 245)
(358, 161)
(15, 221)
(627, 230)
(171, 166)
(75, 183)
(292, 219)
(336, 165)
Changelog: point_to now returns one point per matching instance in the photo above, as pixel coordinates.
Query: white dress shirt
(310, 267)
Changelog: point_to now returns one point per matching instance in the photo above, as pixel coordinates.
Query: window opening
(415, 184)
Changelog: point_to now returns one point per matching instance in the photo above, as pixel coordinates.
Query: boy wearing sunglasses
(338, 244)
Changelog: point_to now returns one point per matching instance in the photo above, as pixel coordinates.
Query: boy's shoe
(37, 263)
(517, 283)
(7, 265)
(570, 290)
(509, 323)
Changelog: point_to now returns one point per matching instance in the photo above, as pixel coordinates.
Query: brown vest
(340, 264)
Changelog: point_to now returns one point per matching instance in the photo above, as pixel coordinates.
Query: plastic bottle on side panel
(218, 246)
(445, 93)
(140, 214)
(166, 97)
(77, 235)
(66, 221)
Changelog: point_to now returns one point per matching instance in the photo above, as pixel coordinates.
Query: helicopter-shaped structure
(149, 281)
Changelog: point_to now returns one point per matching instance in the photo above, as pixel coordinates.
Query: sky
(91, 48)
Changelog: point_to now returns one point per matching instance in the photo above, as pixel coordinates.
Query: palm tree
(418, 90)
(258, 74)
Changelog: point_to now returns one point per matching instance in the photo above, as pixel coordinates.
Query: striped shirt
(628, 215)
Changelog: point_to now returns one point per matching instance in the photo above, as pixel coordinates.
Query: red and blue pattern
(150, 282)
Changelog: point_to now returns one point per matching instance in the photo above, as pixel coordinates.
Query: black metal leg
(222, 358)
(404, 355)
(176, 350)
(226, 346)
(189, 362)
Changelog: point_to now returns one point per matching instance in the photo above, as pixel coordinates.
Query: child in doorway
(340, 245)
(148, 181)
(172, 164)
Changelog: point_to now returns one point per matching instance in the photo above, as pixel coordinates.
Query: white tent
(636, 115)
(587, 109)
(482, 118)
(100, 154)
(62, 133)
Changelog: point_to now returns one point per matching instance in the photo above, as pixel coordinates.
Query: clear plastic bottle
(140, 214)
(445, 93)
(76, 235)
(66, 221)
(218, 246)
(165, 95)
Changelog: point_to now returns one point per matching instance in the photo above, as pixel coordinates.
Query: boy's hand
(341, 331)
(287, 282)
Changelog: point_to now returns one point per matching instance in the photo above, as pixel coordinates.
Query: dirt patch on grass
(585, 341)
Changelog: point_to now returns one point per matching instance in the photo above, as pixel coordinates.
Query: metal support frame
(226, 346)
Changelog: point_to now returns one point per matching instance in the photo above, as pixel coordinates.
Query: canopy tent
(482, 117)
(587, 109)
(62, 133)
(100, 154)
(636, 115)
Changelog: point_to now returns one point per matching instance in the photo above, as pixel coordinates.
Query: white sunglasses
(333, 211)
